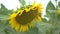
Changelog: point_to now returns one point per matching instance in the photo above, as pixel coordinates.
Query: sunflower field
(30, 18)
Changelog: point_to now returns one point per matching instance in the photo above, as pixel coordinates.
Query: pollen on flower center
(26, 17)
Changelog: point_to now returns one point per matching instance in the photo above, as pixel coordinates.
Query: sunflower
(59, 11)
(21, 19)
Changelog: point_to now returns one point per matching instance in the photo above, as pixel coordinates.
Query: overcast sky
(12, 4)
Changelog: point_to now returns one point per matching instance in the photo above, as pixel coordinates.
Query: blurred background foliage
(51, 26)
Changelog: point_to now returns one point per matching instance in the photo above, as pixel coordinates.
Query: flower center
(26, 17)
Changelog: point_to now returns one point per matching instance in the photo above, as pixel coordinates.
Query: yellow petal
(21, 28)
(36, 19)
(27, 9)
(39, 17)
(31, 25)
(25, 28)
(17, 27)
(12, 16)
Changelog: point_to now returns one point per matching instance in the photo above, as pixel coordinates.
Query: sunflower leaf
(51, 12)
(49, 8)
(4, 10)
(3, 17)
(22, 2)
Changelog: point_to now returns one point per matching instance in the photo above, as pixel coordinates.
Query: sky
(13, 4)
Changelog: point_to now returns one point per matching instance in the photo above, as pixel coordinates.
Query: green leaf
(3, 7)
(44, 20)
(3, 17)
(22, 2)
(59, 4)
(50, 7)
(4, 10)
(58, 18)
(51, 12)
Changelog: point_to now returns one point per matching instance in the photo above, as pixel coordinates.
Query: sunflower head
(21, 19)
